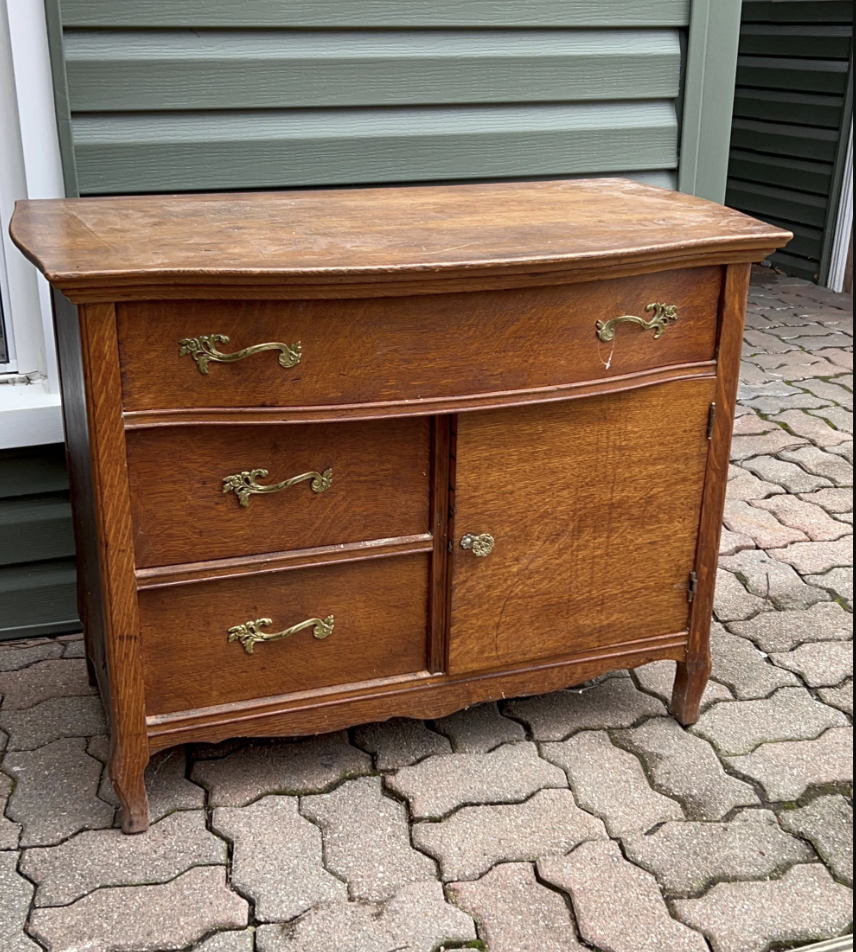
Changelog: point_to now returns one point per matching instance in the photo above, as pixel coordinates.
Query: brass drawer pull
(246, 485)
(251, 635)
(664, 314)
(481, 546)
(204, 351)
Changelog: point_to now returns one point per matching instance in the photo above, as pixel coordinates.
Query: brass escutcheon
(481, 546)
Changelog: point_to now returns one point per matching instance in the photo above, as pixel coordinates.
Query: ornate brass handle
(664, 314)
(250, 634)
(481, 546)
(246, 485)
(204, 351)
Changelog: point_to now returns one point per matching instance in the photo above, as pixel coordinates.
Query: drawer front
(377, 610)
(594, 508)
(337, 353)
(197, 493)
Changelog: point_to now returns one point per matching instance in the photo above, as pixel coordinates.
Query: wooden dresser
(348, 455)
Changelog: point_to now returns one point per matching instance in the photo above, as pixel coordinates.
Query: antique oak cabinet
(349, 455)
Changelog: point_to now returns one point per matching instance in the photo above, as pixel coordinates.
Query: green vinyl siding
(38, 589)
(794, 98)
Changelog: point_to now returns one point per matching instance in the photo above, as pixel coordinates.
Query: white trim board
(844, 226)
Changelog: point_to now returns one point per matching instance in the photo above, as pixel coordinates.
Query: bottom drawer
(380, 630)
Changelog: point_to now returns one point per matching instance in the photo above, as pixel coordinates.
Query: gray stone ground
(583, 820)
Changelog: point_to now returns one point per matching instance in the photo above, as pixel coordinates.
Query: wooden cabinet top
(117, 248)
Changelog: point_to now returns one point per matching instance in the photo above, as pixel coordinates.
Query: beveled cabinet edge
(423, 697)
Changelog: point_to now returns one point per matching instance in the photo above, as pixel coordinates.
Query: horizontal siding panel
(194, 152)
(794, 265)
(38, 599)
(32, 472)
(799, 75)
(798, 11)
(770, 105)
(797, 142)
(35, 530)
(798, 174)
(820, 41)
(807, 242)
(766, 201)
(375, 13)
(157, 70)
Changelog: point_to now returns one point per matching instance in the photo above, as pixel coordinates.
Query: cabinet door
(595, 508)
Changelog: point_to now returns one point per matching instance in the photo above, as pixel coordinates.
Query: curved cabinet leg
(128, 774)
(690, 685)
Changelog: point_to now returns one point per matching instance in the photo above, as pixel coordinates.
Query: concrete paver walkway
(585, 819)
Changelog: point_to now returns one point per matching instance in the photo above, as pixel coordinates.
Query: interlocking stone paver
(770, 406)
(75, 648)
(229, 942)
(616, 702)
(792, 714)
(15, 896)
(831, 390)
(740, 665)
(773, 580)
(687, 858)
(13, 658)
(619, 907)
(144, 918)
(787, 771)
(294, 768)
(838, 417)
(750, 424)
(750, 392)
(510, 774)
(839, 582)
(845, 451)
(400, 743)
(659, 679)
(828, 825)
(801, 332)
(732, 542)
(822, 665)
(166, 783)
(784, 631)
(52, 720)
(480, 730)
(733, 602)
(759, 342)
(796, 365)
(815, 558)
(367, 840)
(816, 461)
(752, 375)
(763, 527)
(815, 522)
(42, 681)
(842, 358)
(804, 907)
(103, 858)
(417, 920)
(10, 833)
(476, 839)
(788, 476)
(611, 784)
(277, 858)
(812, 428)
(686, 768)
(55, 792)
(516, 913)
(745, 447)
(837, 501)
(840, 698)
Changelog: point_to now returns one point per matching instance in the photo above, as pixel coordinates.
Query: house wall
(792, 117)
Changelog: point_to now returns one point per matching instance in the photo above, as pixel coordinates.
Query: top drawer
(332, 353)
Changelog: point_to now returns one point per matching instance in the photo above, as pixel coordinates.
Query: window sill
(29, 416)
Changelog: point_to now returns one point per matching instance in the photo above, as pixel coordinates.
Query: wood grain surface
(595, 507)
(416, 349)
(375, 235)
(381, 488)
(381, 630)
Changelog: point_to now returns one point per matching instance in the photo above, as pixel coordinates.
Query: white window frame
(30, 167)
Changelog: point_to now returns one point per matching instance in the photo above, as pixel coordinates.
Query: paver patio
(583, 820)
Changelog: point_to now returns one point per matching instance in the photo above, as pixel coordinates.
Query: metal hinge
(711, 423)
(693, 590)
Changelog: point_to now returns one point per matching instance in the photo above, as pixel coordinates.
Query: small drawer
(364, 621)
(205, 493)
(331, 353)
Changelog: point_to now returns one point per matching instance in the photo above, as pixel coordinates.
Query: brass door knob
(481, 546)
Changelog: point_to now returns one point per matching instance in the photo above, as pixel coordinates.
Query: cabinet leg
(129, 781)
(690, 685)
